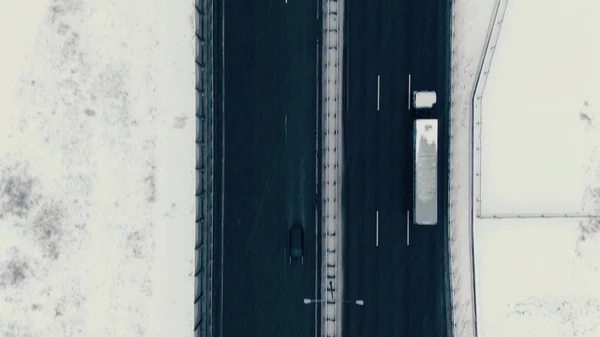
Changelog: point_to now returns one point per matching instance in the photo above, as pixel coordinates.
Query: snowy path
(97, 169)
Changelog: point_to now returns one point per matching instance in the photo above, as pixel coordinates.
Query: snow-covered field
(537, 278)
(97, 168)
(539, 110)
(539, 155)
(470, 19)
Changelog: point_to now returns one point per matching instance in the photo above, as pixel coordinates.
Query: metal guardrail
(332, 105)
(484, 68)
(482, 74)
(203, 304)
(538, 216)
(447, 287)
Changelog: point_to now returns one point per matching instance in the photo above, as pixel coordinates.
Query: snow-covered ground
(539, 156)
(537, 278)
(539, 141)
(539, 109)
(470, 19)
(97, 168)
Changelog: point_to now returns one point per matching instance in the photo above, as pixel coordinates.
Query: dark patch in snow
(136, 244)
(63, 28)
(179, 122)
(60, 9)
(16, 191)
(140, 330)
(48, 228)
(56, 12)
(151, 184)
(110, 88)
(70, 48)
(58, 311)
(589, 227)
(573, 313)
(90, 112)
(14, 329)
(15, 271)
(35, 307)
(71, 300)
(585, 117)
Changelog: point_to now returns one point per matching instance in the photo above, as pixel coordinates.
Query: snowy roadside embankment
(469, 21)
(97, 168)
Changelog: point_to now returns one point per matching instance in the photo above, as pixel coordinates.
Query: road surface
(268, 108)
(397, 271)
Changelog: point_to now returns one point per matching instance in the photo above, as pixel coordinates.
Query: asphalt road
(268, 107)
(401, 283)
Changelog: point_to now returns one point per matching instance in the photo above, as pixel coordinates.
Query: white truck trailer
(425, 159)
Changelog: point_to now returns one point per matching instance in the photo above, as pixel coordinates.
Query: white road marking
(286, 128)
(317, 119)
(285, 262)
(408, 91)
(408, 228)
(378, 91)
(376, 228)
(316, 266)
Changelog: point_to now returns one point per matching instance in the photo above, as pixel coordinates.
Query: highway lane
(269, 117)
(430, 70)
(401, 282)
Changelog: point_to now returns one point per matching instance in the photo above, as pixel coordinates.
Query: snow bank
(470, 18)
(539, 100)
(97, 171)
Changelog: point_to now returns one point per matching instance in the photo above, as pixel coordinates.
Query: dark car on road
(296, 243)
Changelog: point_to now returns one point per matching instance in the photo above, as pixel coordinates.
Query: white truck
(424, 99)
(425, 159)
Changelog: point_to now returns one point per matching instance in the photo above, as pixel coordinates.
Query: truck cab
(424, 99)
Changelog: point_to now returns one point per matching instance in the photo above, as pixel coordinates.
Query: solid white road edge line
(408, 91)
(316, 268)
(376, 228)
(408, 228)
(378, 91)
(285, 128)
